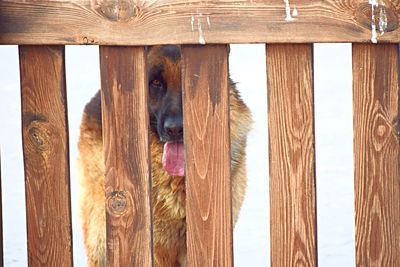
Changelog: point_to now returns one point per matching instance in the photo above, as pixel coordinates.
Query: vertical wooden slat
(206, 134)
(46, 155)
(376, 154)
(291, 155)
(126, 155)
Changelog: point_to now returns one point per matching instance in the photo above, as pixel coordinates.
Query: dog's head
(165, 104)
(165, 92)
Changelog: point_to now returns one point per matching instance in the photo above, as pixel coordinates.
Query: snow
(287, 11)
(201, 36)
(295, 12)
(333, 111)
(374, 35)
(192, 22)
(382, 19)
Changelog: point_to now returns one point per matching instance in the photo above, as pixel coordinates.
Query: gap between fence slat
(376, 154)
(126, 156)
(1, 219)
(46, 155)
(291, 155)
(207, 148)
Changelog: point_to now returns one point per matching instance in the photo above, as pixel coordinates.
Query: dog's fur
(168, 192)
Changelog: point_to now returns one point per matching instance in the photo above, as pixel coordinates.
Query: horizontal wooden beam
(148, 22)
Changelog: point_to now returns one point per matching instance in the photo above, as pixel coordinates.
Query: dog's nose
(173, 127)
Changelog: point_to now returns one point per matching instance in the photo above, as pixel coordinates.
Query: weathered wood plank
(208, 187)
(181, 21)
(291, 157)
(126, 155)
(376, 154)
(46, 155)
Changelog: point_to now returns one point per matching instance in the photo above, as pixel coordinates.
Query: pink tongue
(174, 159)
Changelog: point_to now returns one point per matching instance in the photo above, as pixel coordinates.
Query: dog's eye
(156, 83)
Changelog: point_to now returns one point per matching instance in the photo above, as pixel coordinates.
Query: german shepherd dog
(167, 162)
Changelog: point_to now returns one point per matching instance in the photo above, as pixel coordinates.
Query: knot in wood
(381, 131)
(117, 202)
(119, 10)
(39, 138)
(86, 40)
(363, 15)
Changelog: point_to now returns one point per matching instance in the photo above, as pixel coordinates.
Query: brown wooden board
(46, 155)
(207, 154)
(376, 154)
(125, 22)
(291, 155)
(126, 155)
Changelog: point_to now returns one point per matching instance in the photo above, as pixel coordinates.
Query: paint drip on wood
(379, 20)
(200, 28)
(290, 14)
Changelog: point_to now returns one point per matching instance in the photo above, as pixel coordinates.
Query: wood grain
(291, 155)
(46, 155)
(126, 22)
(126, 155)
(376, 154)
(207, 148)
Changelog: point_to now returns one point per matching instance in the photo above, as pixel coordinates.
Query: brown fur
(168, 193)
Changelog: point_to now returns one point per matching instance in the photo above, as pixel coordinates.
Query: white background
(334, 148)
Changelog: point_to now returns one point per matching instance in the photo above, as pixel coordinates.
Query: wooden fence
(123, 28)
